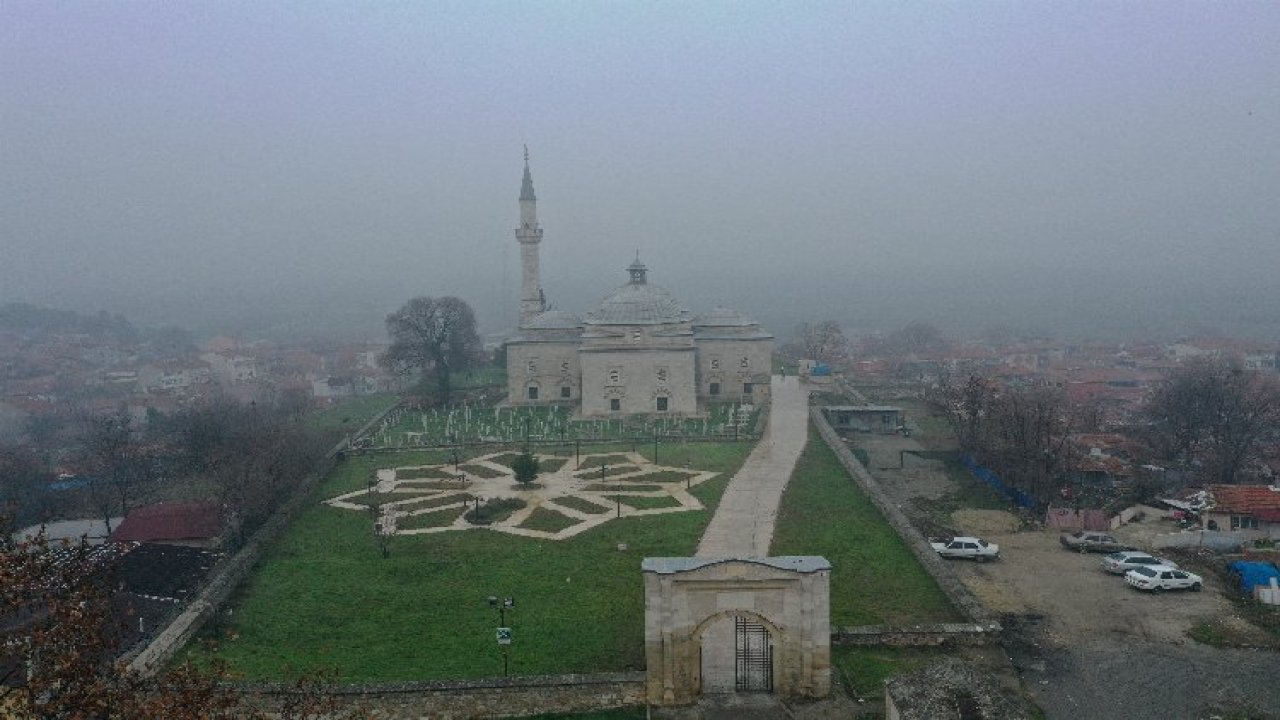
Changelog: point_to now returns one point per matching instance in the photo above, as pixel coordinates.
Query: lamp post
(655, 444)
(502, 605)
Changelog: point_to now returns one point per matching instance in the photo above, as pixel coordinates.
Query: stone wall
(915, 635)
(482, 698)
(955, 590)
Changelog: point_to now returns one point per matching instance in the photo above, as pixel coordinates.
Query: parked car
(1161, 577)
(1122, 562)
(966, 547)
(1086, 541)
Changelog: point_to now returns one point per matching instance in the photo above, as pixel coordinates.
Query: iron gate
(753, 656)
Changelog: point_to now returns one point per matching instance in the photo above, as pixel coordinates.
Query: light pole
(502, 605)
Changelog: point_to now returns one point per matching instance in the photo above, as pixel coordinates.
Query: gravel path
(743, 523)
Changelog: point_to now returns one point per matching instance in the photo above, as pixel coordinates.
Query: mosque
(639, 352)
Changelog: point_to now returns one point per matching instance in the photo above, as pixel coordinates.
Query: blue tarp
(1253, 574)
(820, 370)
(990, 478)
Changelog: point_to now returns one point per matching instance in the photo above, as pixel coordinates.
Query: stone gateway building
(638, 352)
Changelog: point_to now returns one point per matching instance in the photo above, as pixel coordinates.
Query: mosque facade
(639, 352)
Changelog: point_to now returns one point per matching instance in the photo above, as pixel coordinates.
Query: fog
(1089, 169)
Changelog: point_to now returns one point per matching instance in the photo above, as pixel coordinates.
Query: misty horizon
(1084, 170)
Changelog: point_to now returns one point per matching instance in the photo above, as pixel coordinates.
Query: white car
(966, 547)
(1162, 577)
(1122, 562)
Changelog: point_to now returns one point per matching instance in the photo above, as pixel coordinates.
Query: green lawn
(874, 578)
(347, 415)
(864, 669)
(323, 597)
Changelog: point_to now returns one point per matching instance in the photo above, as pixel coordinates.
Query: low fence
(1212, 539)
(960, 597)
(479, 698)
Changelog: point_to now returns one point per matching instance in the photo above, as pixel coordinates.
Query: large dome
(639, 303)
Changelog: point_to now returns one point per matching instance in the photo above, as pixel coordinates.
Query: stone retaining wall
(916, 635)
(955, 590)
(481, 698)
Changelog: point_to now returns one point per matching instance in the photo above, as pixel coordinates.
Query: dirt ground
(1084, 643)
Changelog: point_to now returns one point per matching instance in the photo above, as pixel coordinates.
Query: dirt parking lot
(1084, 643)
(1079, 601)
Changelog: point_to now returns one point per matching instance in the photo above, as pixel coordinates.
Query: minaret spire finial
(526, 186)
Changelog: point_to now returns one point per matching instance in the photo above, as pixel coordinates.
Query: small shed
(193, 524)
(865, 418)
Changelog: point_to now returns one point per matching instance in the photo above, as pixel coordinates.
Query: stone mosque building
(638, 352)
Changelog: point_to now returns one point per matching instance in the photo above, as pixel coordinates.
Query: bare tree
(824, 342)
(122, 465)
(1215, 412)
(434, 335)
(1019, 432)
(61, 637)
(23, 499)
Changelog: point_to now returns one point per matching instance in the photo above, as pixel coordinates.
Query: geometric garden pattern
(566, 499)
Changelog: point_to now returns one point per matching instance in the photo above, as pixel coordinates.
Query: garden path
(744, 521)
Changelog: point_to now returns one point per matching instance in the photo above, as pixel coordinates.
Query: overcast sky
(1037, 165)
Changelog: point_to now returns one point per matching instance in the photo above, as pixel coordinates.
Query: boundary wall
(982, 627)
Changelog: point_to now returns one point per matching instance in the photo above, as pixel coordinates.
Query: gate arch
(780, 606)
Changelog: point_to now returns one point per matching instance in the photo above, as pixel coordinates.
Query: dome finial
(637, 270)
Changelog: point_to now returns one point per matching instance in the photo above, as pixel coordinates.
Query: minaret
(529, 235)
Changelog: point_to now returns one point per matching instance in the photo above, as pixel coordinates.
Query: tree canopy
(434, 335)
(1216, 413)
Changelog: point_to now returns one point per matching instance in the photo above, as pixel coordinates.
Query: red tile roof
(170, 521)
(1260, 501)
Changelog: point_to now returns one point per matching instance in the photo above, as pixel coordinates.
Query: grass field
(349, 414)
(323, 597)
(874, 577)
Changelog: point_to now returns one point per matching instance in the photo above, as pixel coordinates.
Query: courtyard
(570, 497)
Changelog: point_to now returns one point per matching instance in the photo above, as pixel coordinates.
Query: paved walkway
(743, 523)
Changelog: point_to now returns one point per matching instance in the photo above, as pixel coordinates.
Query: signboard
(504, 636)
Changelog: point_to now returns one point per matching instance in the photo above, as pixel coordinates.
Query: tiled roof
(1260, 501)
(170, 521)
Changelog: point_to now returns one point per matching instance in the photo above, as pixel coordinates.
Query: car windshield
(1118, 557)
(983, 543)
(1144, 571)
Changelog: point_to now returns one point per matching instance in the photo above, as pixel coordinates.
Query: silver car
(1122, 562)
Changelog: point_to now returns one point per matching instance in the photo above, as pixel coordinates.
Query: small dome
(554, 320)
(723, 317)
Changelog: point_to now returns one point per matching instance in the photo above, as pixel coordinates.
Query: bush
(494, 510)
(525, 467)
